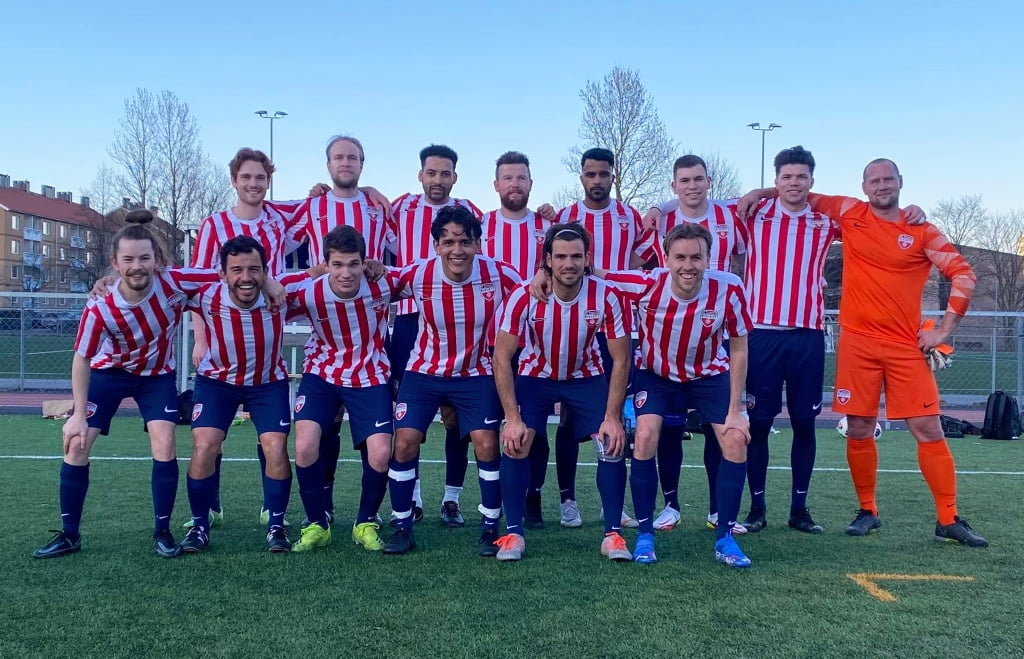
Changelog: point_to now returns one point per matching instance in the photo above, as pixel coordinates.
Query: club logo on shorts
(90, 409)
(722, 230)
(905, 240)
(400, 411)
(751, 401)
(300, 402)
(538, 235)
(843, 396)
(197, 410)
(488, 291)
(708, 317)
(639, 398)
(592, 316)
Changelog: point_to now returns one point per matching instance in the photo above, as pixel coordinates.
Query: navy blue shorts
(156, 396)
(399, 347)
(585, 399)
(792, 358)
(215, 403)
(369, 408)
(475, 401)
(653, 394)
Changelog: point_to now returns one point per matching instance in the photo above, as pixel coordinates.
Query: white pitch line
(115, 458)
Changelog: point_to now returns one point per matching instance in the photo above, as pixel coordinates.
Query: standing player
(125, 347)
(691, 183)
(412, 216)
(243, 366)
(345, 364)
(458, 293)
(886, 262)
(688, 305)
(620, 243)
(514, 234)
(560, 363)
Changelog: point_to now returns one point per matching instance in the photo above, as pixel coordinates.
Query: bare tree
(214, 191)
(725, 179)
(1002, 269)
(134, 147)
(179, 157)
(566, 195)
(961, 218)
(619, 115)
(104, 197)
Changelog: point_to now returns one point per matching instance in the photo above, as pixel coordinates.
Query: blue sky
(937, 86)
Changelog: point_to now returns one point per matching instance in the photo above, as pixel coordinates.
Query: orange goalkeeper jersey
(885, 267)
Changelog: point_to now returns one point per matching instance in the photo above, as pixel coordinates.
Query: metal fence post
(1019, 324)
(994, 356)
(21, 352)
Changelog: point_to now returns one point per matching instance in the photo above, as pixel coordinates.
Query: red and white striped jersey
(617, 233)
(683, 340)
(785, 263)
(139, 338)
(560, 336)
(346, 344)
(455, 317)
(318, 215)
(245, 344)
(519, 243)
(411, 216)
(275, 229)
(728, 233)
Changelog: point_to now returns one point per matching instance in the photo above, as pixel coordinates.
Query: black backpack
(1002, 417)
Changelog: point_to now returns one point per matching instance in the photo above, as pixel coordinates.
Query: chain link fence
(37, 336)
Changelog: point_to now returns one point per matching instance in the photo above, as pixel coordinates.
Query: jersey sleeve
(509, 277)
(630, 283)
(471, 207)
(207, 246)
(740, 230)
(192, 280)
(92, 332)
(644, 245)
(616, 321)
(512, 319)
(405, 277)
(953, 266)
(293, 278)
(668, 206)
(832, 205)
(737, 316)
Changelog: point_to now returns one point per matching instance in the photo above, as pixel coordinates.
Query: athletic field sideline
(898, 593)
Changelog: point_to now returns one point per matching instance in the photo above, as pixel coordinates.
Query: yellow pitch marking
(866, 580)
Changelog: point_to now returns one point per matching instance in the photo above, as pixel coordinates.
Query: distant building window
(63, 231)
(15, 222)
(15, 247)
(88, 235)
(63, 276)
(62, 253)
(88, 257)
(15, 272)
(45, 302)
(63, 301)
(46, 228)
(46, 251)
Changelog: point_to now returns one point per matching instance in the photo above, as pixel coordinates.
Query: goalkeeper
(886, 262)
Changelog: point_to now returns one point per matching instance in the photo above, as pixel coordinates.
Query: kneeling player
(346, 365)
(243, 365)
(561, 363)
(685, 311)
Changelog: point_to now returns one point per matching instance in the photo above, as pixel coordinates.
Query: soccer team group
(502, 315)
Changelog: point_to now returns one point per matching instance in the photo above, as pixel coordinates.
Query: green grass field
(116, 598)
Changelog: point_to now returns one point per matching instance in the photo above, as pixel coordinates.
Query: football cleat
(667, 519)
(865, 522)
(59, 545)
(216, 518)
(277, 540)
(571, 514)
(451, 515)
(644, 551)
(265, 518)
(365, 534)
(195, 541)
(626, 521)
(801, 521)
(311, 537)
(959, 531)
(487, 544)
(755, 521)
(712, 523)
(614, 548)
(533, 517)
(400, 542)
(164, 544)
(728, 552)
(330, 519)
(511, 547)
(417, 516)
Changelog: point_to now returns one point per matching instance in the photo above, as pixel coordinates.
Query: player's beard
(598, 195)
(131, 281)
(346, 181)
(517, 203)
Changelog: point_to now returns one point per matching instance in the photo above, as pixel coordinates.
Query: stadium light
(757, 126)
(277, 114)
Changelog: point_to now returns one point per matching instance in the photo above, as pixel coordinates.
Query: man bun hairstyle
(135, 229)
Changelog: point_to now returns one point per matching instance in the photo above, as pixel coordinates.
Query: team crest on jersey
(640, 398)
(538, 235)
(592, 316)
(751, 401)
(373, 213)
(400, 411)
(817, 223)
(379, 304)
(708, 317)
(90, 409)
(905, 240)
(176, 300)
(722, 230)
(623, 222)
(197, 410)
(488, 291)
(300, 402)
(843, 396)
